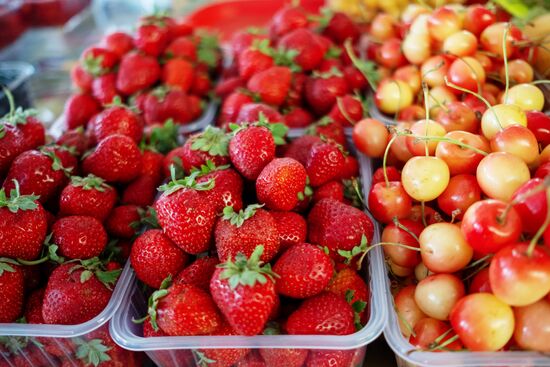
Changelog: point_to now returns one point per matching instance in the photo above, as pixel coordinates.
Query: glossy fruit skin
(478, 18)
(137, 72)
(284, 357)
(499, 117)
(399, 255)
(392, 96)
(251, 150)
(370, 136)
(79, 108)
(532, 210)
(304, 270)
(310, 54)
(442, 253)
(462, 161)
(271, 85)
(516, 278)
(425, 178)
(485, 231)
(460, 194)
(324, 163)
(479, 330)
(387, 202)
(117, 120)
(328, 358)
(12, 293)
(154, 257)
(280, 182)
(199, 272)
(291, 227)
(495, 181)
(75, 200)
(467, 73)
(458, 116)
(532, 330)
(437, 294)
(408, 310)
(519, 141)
(539, 124)
(79, 237)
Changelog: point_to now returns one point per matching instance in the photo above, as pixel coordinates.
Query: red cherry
(460, 194)
(539, 124)
(531, 209)
(477, 18)
(387, 202)
(392, 173)
(480, 282)
(427, 330)
(543, 170)
(394, 233)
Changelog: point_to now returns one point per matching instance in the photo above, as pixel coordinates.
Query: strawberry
(87, 196)
(116, 158)
(137, 72)
(232, 105)
(173, 158)
(121, 221)
(220, 357)
(199, 272)
(141, 192)
(11, 290)
(152, 37)
(286, 20)
(228, 188)
(251, 112)
(196, 106)
(340, 28)
(284, 357)
(350, 168)
(298, 117)
(119, 43)
(38, 172)
(201, 84)
(79, 237)
(104, 88)
(190, 230)
(98, 61)
(118, 119)
(348, 284)
(252, 359)
(79, 108)
(292, 228)
(183, 309)
(244, 39)
(332, 189)
(304, 270)
(208, 145)
(81, 79)
(229, 85)
(155, 257)
(305, 44)
(347, 111)
(244, 291)
(327, 129)
(152, 164)
(182, 47)
(295, 94)
(98, 349)
(324, 163)
(300, 148)
(330, 358)
(271, 85)
(75, 140)
(178, 73)
(281, 184)
(243, 231)
(254, 59)
(33, 307)
(323, 89)
(165, 103)
(323, 314)
(353, 226)
(77, 293)
(355, 79)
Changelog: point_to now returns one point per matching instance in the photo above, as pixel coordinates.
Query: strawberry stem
(16, 201)
(247, 272)
(238, 219)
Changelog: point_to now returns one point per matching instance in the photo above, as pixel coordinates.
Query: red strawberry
(87, 196)
(347, 111)
(254, 59)
(164, 103)
(98, 61)
(328, 129)
(271, 85)
(23, 225)
(98, 346)
(232, 105)
(76, 294)
(298, 117)
(286, 20)
(104, 88)
(79, 108)
(296, 92)
(173, 158)
(199, 272)
(184, 309)
(355, 79)
(120, 222)
(190, 230)
(141, 192)
(244, 39)
(284, 357)
(11, 290)
(304, 270)
(182, 47)
(352, 226)
(220, 357)
(330, 358)
(33, 307)
(252, 359)
(209, 145)
(228, 187)
(323, 314)
(309, 52)
(251, 112)
(292, 228)
(243, 231)
(152, 38)
(300, 148)
(180, 29)
(81, 79)
(39, 173)
(340, 28)
(75, 140)
(116, 158)
(322, 90)
(202, 85)
(196, 106)
(119, 43)
(155, 257)
(79, 237)
(348, 284)
(251, 149)
(324, 163)
(281, 184)
(152, 162)
(332, 189)
(178, 73)
(350, 169)
(137, 72)
(244, 291)
(118, 120)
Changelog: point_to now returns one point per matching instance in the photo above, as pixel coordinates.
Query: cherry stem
(505, 59)
(401, 226)
(479, 261)
(541, 230)
(542, 81)
(427, 107)
(385, 159)
(445, 139)
(405, 322)
(423, 213)
(445, 343)
(438, 340)
(522, 197)
(360, 261)
(438, 102)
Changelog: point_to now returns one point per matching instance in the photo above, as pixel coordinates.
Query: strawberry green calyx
(160, 92)
(6, 265)
(333, 52)
(93, 65)
(153, 302)
(212, 140)
(56, 162)
(323, 122)
(208, 49)
(95, 266)
(340, 147)
(277, 129)
(247, 272)
(237, 219)
(308, 191)
(281, 56)
(272, 328)
(367, 68)
(357, 306)
(16, 201)
(202, 359)
(90, 182)
(92, 352)
(352, 192)
(334, 71)
(163, 138)
(209, 167)
(117, 102)
(323, 19)
(49, 253)
(147, 218)
(186, 182)
(356, 250)
(16, 115)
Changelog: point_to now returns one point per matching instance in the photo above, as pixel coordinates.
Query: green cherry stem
(427, 108)
(445, 140)
(423, 213)
(385, 159)
(505, 59)
(541, 81)
(541, 230)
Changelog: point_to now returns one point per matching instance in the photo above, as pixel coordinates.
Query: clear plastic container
(15, 76)
(176, 351)
(379, 115)
(32, 344)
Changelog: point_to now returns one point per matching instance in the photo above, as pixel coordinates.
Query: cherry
(399, 271)
(459, 195)
(407, 309)
(532, 330)
(517, 140)
(416, 47)
(531, 208)
(489, 225)
(383, 27)
(389, 54)
(477, 18)
(467, 73)
(444, 248)
(437, 294)
(422, 128)
(370, 136)
(421, 272)
(387, 201)
(491, 39)
(393, 95)
(460, 44)
(462, 159)
(425, 178)
(501, 116)
(430, 215)
(399, 147)
(526, 96)
(406, 232)
(392, 173)
(440, 96)
(478, 329)
(480, 282)
(443, 22)
(430, 333)
(539, 124)
(500, 174)
(485, 61)
(410, 75)
(543, 170)
(519, 71)
(457, 116)
(411, 113)
(434, 70)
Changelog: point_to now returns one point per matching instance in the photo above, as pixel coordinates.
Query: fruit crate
(39, 345)
(15, 76)
(177, 351)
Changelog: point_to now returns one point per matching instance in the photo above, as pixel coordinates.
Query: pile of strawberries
(296, 71)
(246, 243)
(165, 71)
